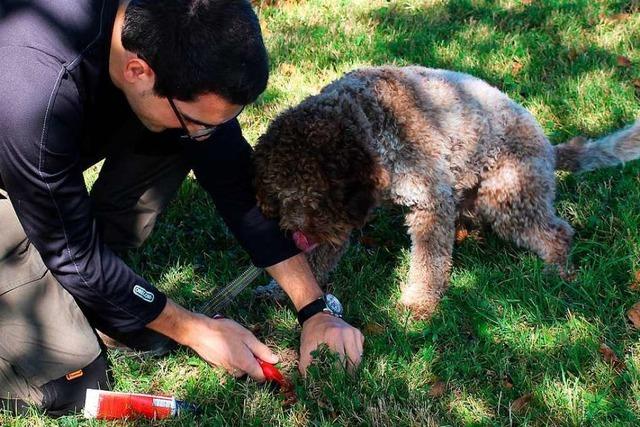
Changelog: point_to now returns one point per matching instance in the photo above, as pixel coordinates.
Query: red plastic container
(109, 405)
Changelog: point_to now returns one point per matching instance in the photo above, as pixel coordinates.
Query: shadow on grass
(528, 51)
(501, 318)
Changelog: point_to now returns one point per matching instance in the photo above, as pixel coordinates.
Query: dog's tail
(581, 154)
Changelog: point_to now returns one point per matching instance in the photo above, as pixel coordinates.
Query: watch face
(333, 304)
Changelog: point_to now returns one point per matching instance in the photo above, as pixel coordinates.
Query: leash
(225, 295)
(221, 299)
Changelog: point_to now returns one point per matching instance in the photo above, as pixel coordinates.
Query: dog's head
(315, 173)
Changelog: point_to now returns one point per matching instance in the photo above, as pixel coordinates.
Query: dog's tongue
(303, 242)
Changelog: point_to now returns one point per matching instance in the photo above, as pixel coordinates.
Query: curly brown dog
(441, 143)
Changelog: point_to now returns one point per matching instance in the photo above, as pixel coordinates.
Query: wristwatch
(328, 304)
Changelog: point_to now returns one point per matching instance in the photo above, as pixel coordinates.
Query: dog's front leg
(324, 259)
(432, 236)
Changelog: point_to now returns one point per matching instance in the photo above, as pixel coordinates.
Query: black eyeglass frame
(200, 134)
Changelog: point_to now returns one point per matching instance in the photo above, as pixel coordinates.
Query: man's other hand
(339, 336)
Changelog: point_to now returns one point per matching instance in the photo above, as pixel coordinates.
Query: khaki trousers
(44, 333)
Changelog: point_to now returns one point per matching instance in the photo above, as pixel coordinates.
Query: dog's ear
(268, 204)
(347, 161)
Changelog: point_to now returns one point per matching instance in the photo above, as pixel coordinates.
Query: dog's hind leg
(432, 236)
(516, 199)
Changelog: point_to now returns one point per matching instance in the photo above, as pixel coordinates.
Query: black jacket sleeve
(40, 127)
(223, 167)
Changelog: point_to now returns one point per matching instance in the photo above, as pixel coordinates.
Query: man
(154, 87)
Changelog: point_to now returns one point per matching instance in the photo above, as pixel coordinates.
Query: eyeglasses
(201, 134)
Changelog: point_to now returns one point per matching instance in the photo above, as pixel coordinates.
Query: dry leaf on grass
(610, 357)
(461, 234)
(620, 17)
(521, 404)
(634, 315)
(623, 61)
(507, 382)
(437, 389)
(617, 17)
(635, 284)
(516, 67)
(372, 329)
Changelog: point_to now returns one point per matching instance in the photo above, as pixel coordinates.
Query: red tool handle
(271, 373)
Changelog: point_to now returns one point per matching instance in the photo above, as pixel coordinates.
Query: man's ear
(138, 72)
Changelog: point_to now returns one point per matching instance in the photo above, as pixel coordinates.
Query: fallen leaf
(507, 382)
(437, 389)
(461, 234)
(520, 404)
(636, 83)
(610, 357)
(620, 17)
(516, 67)
(527, 2)
(634, 315)
(635, 285)
(623, 61)
(373, 329)
(617, 17)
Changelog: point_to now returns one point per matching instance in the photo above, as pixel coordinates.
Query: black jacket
(57, 107)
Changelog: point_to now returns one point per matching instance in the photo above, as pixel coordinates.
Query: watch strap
(310, 309)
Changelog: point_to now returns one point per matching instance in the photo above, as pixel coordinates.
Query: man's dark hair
(199, 46)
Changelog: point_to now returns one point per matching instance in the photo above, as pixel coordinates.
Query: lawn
(509, 343)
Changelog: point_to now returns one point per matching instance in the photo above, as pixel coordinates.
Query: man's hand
(220, 342)
(339, 336)
(297, 280)
(225, 343)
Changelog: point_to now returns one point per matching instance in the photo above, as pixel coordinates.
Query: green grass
(504, 328)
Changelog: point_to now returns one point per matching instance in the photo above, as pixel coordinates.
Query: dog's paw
(417, 311)
(568, 274)
(271, 291)
(421, 305)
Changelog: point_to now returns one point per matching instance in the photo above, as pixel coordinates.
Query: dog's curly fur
(438, 142)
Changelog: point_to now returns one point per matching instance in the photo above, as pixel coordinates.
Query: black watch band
(310, 309)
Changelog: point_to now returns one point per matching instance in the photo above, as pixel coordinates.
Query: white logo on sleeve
(143, 294)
